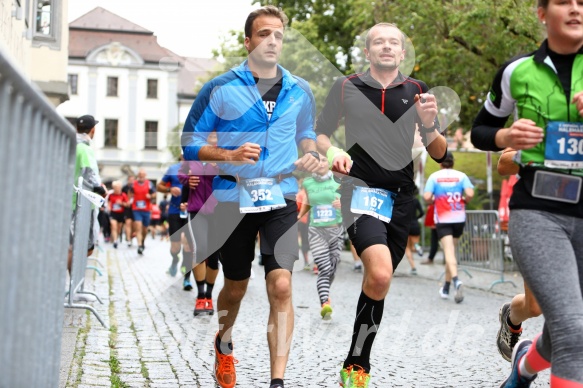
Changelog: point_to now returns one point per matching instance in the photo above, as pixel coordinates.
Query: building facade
(136, 88)
(34, 34)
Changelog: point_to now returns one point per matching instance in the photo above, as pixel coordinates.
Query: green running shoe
(345, 376)
(354, 376)
(326, 311)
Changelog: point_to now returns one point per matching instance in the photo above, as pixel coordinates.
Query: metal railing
(481, 247)
(82, 223)
(37, 158)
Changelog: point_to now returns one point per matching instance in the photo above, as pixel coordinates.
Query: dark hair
(543, 3)
(269, 10)
(448, 161)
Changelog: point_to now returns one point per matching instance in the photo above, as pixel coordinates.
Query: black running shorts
(278, 234)
(175, 225)
(118, 217)
(365, 231)
(455, 230)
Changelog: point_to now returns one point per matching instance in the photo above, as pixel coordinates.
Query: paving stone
(423, 341)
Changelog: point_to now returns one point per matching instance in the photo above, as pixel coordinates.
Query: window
(73, 78)
(111, 86)
(45, 26)
(151, 139)
(152, 88)
(110, 133)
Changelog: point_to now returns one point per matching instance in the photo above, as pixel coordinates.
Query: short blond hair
(368, 37)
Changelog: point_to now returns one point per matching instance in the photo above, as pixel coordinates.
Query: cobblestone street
(153, 339)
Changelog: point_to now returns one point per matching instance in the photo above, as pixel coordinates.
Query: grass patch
(114, 366)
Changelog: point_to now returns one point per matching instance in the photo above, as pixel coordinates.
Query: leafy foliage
(458, 43)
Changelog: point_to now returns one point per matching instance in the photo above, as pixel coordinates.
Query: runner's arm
(506, 165)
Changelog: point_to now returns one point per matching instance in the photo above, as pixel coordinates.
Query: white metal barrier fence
(481, 246)
(82, 223)
(37, 158)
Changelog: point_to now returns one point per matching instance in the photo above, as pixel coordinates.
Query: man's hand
(175, 191)
(193, 181)
(341, 164)
(336, 204)
(578, 101)
(248, 153)
(183, 206)
(307, 163)
(522, 134)
(426, 106)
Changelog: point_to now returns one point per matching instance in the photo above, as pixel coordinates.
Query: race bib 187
(377, 203)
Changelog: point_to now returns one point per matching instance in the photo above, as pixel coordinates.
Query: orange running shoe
(209, 306)
(200, 307)
(224, 368)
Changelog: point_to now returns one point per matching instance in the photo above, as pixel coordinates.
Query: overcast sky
(188, 27)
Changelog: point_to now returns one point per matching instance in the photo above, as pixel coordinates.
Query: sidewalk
(472, 278)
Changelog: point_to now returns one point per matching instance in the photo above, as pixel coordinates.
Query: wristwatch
(314, 154)
(430, 129)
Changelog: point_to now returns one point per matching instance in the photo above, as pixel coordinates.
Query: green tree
(462, 43)
(458, 43)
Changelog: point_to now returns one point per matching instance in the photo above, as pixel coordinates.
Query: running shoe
(186, 285)
(443, 294)
(315, 269)
(200, 307)
(507, 337)
(419, 249)
(358, 267)
(172, 270)
(459, 292)
(326, 311)
(345, 376)
(427, 262)
(413, 271)
(307, 267)
(209, 306)
(224, 368)
(515, 380)
(354, 376)
(115, 245)
(140, 250)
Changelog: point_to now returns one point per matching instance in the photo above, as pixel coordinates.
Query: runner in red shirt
(117, 202)
(155, 219)
(141, 193)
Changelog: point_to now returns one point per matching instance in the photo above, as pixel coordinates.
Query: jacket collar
(367, 78)
(243, 72)
(542, 53)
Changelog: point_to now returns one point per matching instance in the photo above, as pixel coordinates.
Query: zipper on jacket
(383, 101)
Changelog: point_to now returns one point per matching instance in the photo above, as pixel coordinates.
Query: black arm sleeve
(484, 129)
(185, 192)
(444, 155)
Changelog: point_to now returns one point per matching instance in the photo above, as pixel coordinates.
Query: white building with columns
(138, 90)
